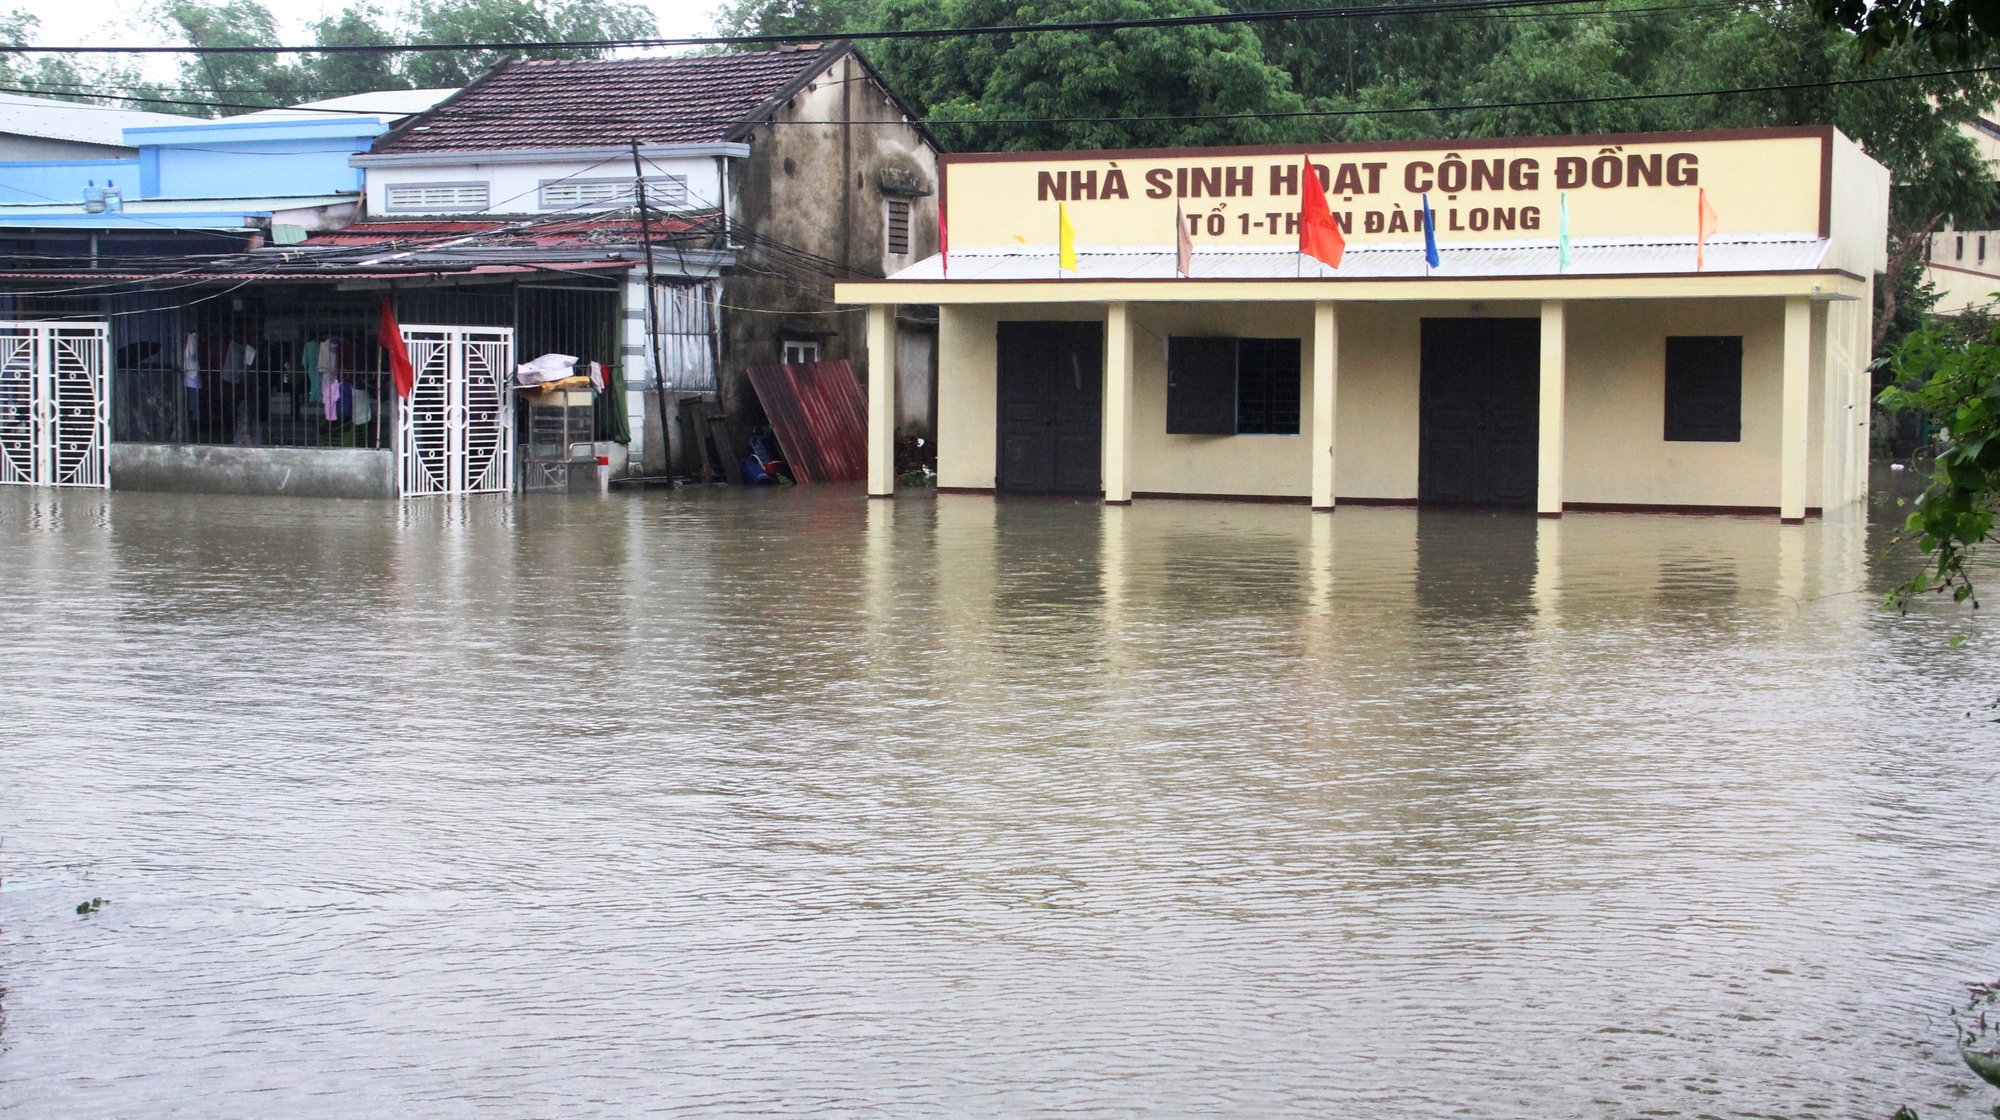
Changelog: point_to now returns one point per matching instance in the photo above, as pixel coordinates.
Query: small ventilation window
(435, 198)
(801, 353)
(1705, 389)
(899, 227)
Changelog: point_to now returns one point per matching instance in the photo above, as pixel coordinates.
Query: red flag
(1319, 234)
(1183, 244)
(1704, 224)
(399, 354)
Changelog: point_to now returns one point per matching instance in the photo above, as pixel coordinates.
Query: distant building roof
(390, 105)
(75, 120)
(582, 103)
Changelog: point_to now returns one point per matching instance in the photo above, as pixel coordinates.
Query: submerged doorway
(1051, 408)
(1480, 416)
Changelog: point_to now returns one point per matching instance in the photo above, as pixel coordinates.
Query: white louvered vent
(604, 194)
(436, 198)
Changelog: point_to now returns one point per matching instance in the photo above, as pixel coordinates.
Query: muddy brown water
(785, 802)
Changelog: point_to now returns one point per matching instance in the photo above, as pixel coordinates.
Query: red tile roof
(580, 103)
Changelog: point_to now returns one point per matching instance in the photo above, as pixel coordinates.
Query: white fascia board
(461, 158)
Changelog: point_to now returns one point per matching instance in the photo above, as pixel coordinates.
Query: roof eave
(450, 156)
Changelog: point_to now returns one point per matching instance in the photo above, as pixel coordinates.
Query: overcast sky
(81, 23)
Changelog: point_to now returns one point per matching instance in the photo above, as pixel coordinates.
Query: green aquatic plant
(1977, 1026)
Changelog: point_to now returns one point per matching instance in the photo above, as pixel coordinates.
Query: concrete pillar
(1326, 400)
(1555, 368)
(1118, 405)
(635, 348)
(881, 400)
(1797, 392)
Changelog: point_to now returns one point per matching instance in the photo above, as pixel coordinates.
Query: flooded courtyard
(788, 802)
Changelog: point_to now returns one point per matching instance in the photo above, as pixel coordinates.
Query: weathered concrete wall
(309, 472)
(820, 187)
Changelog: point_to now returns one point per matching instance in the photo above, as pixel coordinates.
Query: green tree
(60, 78)
(1958, 382)
(332, 75)
(998, 92)
(244, 79)
(513, 21)
(794, 17)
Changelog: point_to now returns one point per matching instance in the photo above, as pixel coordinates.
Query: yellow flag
(1065, 239)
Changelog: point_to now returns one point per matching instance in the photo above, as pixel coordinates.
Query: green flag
(1562, 236)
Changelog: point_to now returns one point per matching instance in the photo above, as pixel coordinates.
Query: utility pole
(653, 313)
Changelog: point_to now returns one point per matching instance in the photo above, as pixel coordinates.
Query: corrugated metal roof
(283, 275)
(1622, 256)
(821, 417)
(74, 120)
(586, 231)
(389, 104)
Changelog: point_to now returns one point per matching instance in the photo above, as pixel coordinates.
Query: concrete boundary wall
(308, 472)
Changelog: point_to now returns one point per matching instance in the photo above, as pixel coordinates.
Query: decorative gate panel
(55, 404)
(456, 432)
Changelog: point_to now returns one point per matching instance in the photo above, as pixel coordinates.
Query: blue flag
(1562, 236)
(1430, 234)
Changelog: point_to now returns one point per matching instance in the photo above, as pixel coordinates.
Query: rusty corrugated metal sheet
(820, 416)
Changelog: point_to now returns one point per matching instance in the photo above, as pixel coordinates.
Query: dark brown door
(1051, 408)
(1480, 412)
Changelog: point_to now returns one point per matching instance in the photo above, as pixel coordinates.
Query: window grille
(605, 194)
(1267, 386)
(687, 318)
(436, 198)
(1233, 386)
(899, 227)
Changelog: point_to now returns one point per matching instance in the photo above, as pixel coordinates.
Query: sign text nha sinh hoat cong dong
(1770, 181)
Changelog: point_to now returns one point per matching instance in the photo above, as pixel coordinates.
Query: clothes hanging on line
(191, 361)
(330, 395)
(310, 364)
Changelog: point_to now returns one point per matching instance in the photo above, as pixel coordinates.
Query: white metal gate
(55, 404)
(455, 434)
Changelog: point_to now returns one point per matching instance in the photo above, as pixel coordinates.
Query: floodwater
(787, 802)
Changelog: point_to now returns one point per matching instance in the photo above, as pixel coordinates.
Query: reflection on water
(795, 802)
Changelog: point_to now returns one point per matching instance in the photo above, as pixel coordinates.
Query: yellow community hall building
(1586, 340)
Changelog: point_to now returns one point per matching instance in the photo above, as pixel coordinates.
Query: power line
(941, 122)
(1364, 11)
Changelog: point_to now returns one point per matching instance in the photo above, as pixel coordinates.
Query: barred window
(899, 227)
(605, 194)
(436, 198)
(687, 321)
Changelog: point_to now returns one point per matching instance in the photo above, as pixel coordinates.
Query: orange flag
(1319, 234)
(1705, 224)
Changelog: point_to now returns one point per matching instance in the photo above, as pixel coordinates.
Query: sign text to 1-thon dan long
(1451, 176)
